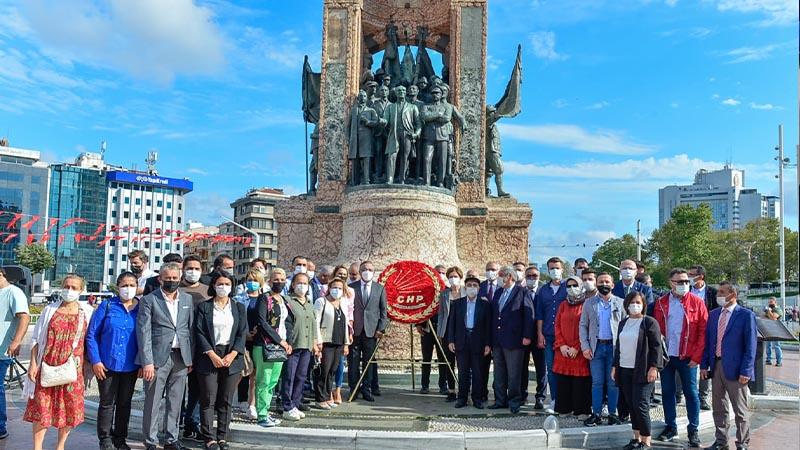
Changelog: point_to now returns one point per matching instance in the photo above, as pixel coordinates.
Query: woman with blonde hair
(54, 387)
(347, 305)
(335, 337)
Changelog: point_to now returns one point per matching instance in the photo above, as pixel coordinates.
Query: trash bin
(768, 330)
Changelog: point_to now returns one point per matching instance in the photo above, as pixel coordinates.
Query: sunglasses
(681, 281)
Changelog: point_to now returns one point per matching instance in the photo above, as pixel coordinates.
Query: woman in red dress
(58, 337)
(573, 379)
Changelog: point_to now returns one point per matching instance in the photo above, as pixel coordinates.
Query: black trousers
(470, 374)
(541, 372)
(507, 375)
(216, 394)
(192, 400)
(331, 355)
(637, 397)
(485, 365)
(428, 344)
(574, 394)
(116, 392)
(360, 352)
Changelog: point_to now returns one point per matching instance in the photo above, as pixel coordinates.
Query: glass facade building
(23, 190)
(77, 192)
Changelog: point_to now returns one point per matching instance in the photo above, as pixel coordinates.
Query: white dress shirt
(172, 307)
(223, 324)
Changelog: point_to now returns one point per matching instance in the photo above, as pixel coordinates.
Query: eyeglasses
(681, 281)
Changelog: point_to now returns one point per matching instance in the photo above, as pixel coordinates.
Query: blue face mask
(253, 286)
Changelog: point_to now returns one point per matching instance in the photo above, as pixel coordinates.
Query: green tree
(763, 262)
(35, 257)
(792, 239)
(615, 250)
(686, 239)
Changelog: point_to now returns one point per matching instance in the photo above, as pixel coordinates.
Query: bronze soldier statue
(360, 137)
(403, 127)
(494, 163)
(450, 177)
(379, 104)
(436, 134)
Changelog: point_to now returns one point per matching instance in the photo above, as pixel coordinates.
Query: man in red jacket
(682, 317)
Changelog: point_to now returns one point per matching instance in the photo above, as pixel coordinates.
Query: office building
(256, 211)
(204, 247)
(732, 204)
(24, 182)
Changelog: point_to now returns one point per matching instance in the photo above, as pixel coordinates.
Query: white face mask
(635, 308)
(589, 285)
(555, 274)
(299, 269)
(455, 281)
(367, 275)
(579, 271)
(491, 275)
(301, 289)
(628, 274)
(574, 291)
(128, 292)
(682, 289)
(336, 292)
(472, 292)
(532, 284)
(70, 296)
(722, 301)
(310, 274)
(192, 276)
(222, 290)
(521, 274)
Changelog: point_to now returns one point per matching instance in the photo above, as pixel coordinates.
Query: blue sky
(619, 97)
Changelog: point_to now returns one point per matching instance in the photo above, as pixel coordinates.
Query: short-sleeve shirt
(12, 302)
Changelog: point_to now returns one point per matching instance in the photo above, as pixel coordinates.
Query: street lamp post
(256, 236)
(782, 162)
(609, 264)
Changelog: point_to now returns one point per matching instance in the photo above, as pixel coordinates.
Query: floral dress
(59, 406)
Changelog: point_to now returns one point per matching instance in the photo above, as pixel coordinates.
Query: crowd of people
(206, 343)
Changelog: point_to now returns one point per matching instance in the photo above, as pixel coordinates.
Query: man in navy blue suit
(628, 284)
(729, 362)
(548, 299)
(488, 289)
(512, 330)
(468, 329)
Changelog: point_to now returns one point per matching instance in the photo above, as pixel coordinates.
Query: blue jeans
(600, 367)
(4, 365)
(340, 373)
(778, 351)
(549, 356)
(689, 383)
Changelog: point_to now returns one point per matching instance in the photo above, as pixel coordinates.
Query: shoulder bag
(272, 352)
(64, 373)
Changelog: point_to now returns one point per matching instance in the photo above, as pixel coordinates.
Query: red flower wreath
(412, 291)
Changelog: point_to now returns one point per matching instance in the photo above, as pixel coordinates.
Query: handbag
(67, 372)
(272, 352)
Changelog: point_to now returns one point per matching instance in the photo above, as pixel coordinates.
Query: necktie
(491, 291)
(723, 323)
(627, 290)
(504, 298)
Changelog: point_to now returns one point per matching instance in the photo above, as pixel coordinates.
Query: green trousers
(267, 376)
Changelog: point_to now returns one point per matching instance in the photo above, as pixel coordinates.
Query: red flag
(74, 220)
(27, 225)
(10, 237)
(53, 223)
(14, 221)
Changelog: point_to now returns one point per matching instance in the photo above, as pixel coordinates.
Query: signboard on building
(150, 180)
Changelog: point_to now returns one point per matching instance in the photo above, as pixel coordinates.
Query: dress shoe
(461, 403)
(632, 445)
(376, 392)
(451, 397)
(424, 391)
(704, 405)
(442, 391)
(694, 439)
(367, 396)
(717, 446)
(496, 406)
(668, 435)
(593, 421)
(514, 409)
(174, 446)
(539, 404)
(478, 405)
(304, 407)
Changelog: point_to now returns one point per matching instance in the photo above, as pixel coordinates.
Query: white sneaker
(292, 415)
(274, 420)
(252, 413)
(551, 408)
(301, 413)
(604, 412)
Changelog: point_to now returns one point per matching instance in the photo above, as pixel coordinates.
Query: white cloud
(560, 103)
(598, 105)
(777, 12)
(671, 3)
(674, 105)
(749, 54)
(544, 46)
(148, 39)
(576, 138)
(764, 106)
(731, 102)
(196, 171)
(658, 171)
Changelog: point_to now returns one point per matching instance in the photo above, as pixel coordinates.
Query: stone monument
(437, 211)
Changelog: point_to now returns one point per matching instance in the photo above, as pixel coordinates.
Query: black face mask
(170, 286)
(604, 289)
(278, 287)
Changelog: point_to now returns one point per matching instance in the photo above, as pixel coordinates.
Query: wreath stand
(412, 361)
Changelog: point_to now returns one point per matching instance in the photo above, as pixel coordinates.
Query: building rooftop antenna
(152, 158)
(103, 146)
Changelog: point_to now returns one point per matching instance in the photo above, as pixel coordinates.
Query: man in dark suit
(531, 284)
(512, 331)
(370, 320)
(488, 289)
(468, 329)
(164, 335)
(729, 362)
(697, 275)
(152, 284)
